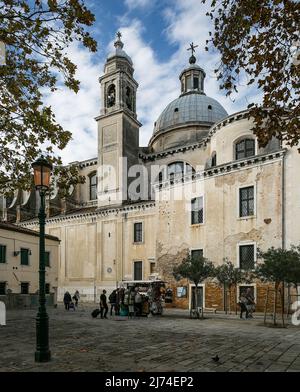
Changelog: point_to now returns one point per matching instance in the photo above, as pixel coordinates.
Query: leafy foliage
(229, 275)
(279, 265)
(36, 34)
(196, 269)
(261, 38)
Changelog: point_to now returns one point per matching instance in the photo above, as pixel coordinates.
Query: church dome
(190, 108)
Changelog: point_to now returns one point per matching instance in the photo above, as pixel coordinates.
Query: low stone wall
(21, 301)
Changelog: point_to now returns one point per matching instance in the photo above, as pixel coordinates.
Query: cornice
(223, 169)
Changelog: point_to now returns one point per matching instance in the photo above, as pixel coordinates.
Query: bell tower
(118, 128)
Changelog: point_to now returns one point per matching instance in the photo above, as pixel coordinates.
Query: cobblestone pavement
(172, 342)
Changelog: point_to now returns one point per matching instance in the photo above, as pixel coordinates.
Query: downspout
(283, 231)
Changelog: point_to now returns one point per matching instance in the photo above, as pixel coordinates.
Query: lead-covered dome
(190, 108)
(119, 52)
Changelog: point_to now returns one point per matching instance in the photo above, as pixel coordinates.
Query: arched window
(245, 148)
(213, 159)
(111, 95)
(93, 186)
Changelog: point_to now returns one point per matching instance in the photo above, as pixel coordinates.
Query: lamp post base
(42, 356)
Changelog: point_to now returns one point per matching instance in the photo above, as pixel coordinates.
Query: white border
(246, 285)
(238, 201)
(238, 251)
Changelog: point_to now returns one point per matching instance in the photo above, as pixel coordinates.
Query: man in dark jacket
(103, 304)
(67, 300)
(113, 302)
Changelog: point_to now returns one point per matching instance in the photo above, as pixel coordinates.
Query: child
(72, 306)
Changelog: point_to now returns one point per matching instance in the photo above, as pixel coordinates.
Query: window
(152, 267)
(47, 288)
(2, 288)
(247, 201)
(178, 169)
(188, 83)
(196, 253)
(247, 261)
(24, 256)
(197, 210)
(196, 83)
(93, 186)
(138, 232)
(245, 148)
(47, 259)
(24, 288)
(209, 107)
(214, 159)
(2, 253)
(138, 270)
(244, 288)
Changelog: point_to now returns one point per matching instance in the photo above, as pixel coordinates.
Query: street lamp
(42, 171)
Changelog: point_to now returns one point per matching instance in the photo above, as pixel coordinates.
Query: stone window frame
(250, 184)
(203, 208)
(90, 176)
(143, 268)
(240, 139)
(133, 232)
(243, 243)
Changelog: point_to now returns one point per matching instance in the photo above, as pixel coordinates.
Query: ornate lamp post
(42, 171)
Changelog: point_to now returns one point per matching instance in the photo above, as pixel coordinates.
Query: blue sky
(156, 34)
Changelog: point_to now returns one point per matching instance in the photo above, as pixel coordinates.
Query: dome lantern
(192, 77)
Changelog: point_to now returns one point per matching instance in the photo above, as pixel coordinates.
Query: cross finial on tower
(118, 43)
(192, 48)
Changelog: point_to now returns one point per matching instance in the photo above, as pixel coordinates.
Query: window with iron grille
(247, 260)
(2, 253)
(47, 288)
(245, 148)
(24, 288)
(47, 259)
(93, 186)
(196, 253)
(197, 210)
(138, 232)
(2, 288)
(247, 201)
(24, 256)
(138, 270)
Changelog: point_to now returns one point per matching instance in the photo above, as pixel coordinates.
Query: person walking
(103, 304)
(67, 300)
(243, 303)
(76, 297)
(138, 302)
(113, 302)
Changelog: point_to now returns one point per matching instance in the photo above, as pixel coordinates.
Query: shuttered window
(197, 210)
(24, 256)
(2, 253)
(138, 232)
(138, 270)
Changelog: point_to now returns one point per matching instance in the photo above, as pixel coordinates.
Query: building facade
(201, 185)
(19, 266)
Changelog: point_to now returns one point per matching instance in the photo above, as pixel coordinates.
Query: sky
(156, 35)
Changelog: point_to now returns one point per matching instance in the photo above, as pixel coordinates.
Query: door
(199, 297)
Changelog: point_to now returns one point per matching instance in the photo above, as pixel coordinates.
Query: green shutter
(24, 257)
(47, 259)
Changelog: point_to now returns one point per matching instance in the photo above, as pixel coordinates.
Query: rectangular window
(188, 83)
(2, 253)
(196, 83)
(152, 268)
(247, 201)
(47, 288)
(196, 253)
(24, 288)
(247, 259)
(138, 270)
(197, 210)
(2, 288)
(47, 259)
(24, 256)
(138, 232)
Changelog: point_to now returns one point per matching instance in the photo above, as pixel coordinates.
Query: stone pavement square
(172, 342)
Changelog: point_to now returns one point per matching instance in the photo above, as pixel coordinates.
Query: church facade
(202, 185)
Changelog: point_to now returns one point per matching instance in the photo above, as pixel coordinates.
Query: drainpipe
(283, 231)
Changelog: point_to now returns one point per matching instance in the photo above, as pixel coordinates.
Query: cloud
(132, 4)
(76, 112)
